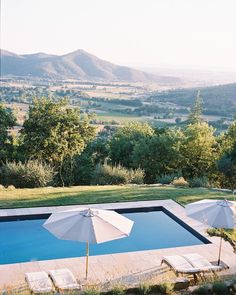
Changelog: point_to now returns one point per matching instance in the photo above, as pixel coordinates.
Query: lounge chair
(39, 282)
(202, 263)
(180, 265)
(63, 279)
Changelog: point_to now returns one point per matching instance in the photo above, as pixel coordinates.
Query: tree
(159, 154)
(7, 121)
(55, 133)
(95, 153)
(227, 166)
(198, 150)
(123, 142)
(178, 120)
(229, 137)
(227, 162)
(196, 110)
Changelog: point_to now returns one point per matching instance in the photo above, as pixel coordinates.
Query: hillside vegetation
(217, 100)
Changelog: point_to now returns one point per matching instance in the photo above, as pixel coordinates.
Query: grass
(57, 196)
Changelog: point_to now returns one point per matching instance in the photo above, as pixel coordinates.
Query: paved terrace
(132, 267)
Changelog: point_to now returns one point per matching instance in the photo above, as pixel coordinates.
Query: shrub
(233, 288)
(117, 290)
(144, 289)
(91, 291)
(198, 182)
(180, 182)
(83, 169)
(137, 176)
(220, 288)
(26, 175)
(11, 187)
(167, 178)
(202, 290)
(106, 174)
(226, 235)
(166, 288)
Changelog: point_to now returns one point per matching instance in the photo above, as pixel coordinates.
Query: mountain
(79, 65)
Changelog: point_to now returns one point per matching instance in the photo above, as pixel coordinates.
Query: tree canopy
(123, 142)
(196, 110)
(158, 154)
(227, 161)
(198, 150)
(7, 121)
(54, 132)
(58, 136)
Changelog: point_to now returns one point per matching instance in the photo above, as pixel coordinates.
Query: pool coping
(208, 250)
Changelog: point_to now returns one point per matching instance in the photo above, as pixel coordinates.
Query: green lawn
(17, 198)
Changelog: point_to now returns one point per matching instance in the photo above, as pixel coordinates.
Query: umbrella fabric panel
(110, 223)
(59, 224)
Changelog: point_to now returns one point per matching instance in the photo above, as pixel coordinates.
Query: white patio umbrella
(88, 225)
(215, 213)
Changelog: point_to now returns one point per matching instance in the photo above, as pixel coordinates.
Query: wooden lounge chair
(202, 263)
(181, 266)
(63, 279)
(39, 282)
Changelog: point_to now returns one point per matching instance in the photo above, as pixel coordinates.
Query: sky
(186, 33)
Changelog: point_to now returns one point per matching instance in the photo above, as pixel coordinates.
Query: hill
(217, 100)
(79, 65)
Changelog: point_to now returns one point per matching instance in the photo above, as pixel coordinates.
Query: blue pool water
(27, 240)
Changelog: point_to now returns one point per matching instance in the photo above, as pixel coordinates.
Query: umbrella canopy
(215, 213)
(88, 225)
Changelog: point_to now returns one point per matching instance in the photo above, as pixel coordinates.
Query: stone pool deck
(130, 267)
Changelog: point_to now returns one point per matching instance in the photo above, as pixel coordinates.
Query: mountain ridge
(78, 64)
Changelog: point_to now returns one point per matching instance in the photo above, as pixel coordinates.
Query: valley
(116, 103)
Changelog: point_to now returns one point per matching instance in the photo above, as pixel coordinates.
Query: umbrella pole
(221, 234)
(87, 256)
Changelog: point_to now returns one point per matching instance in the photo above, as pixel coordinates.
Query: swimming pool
(154, 228)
